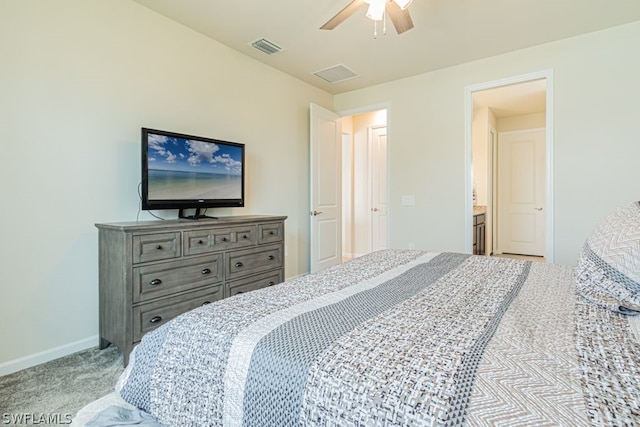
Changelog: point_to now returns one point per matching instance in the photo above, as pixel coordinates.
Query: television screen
(184, 171)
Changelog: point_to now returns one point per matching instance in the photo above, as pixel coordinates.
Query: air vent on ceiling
(335, 74)
(266, 46)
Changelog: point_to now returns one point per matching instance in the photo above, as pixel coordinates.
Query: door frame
(468, 193)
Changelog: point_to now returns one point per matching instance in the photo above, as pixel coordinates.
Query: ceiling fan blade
(341, 16)
(400, 18)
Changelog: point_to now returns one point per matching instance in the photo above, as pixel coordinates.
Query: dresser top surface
(189, 223)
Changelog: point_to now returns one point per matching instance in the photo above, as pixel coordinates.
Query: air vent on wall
(335, 74)
(266, 46)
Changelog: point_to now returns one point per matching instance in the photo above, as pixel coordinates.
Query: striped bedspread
(396, 337)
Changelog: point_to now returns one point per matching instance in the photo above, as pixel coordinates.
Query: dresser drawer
(147, 317)
(270, 233)
(254, 282)
(156, 247)
(249, 261)
(218, 239)
(157, 280)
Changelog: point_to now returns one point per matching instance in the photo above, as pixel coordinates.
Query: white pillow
(608, 270)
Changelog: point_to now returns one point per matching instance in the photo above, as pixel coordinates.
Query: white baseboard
(16, 365)
(296, 276)
(348, 255)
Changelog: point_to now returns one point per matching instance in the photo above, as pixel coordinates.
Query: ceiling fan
(397, 10)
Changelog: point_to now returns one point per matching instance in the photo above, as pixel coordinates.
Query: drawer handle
(155, 282)
(206, 271)
(224, 239)
(159, 247)
(239, 292)
(271, 257)
(206, 303)
(271, 283)
(244, 236)
(239, 264)
(271, 233)
(200, 242)
(155, 319)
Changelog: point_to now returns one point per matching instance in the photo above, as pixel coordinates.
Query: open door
(325, 141)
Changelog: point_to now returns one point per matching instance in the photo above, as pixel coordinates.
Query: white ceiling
(446, 33)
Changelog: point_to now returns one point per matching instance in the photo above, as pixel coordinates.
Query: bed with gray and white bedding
(410, 338)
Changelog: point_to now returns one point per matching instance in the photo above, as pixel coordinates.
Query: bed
(407, 338)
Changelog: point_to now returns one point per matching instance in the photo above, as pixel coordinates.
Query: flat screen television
(190, 172)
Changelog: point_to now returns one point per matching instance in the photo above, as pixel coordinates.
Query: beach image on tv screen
(185, 169)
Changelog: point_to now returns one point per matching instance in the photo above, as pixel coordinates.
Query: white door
(378, 180)
(326, 182)
(521, 192)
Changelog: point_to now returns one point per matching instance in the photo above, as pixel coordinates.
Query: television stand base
(197, 215)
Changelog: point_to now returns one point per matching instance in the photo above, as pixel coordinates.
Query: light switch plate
(408, 200)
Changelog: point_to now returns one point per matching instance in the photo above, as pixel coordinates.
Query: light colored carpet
(61, 386)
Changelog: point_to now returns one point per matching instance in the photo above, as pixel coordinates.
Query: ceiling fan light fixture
(376, 9)
(403, 3)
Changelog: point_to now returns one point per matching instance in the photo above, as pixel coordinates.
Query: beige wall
(347, 187)
(521, 122)
(483, 118)
(79, 79)
(596, 143)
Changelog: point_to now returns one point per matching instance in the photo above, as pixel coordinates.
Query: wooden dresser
(152, 271)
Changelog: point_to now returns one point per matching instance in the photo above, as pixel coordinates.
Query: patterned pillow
(608, 270)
